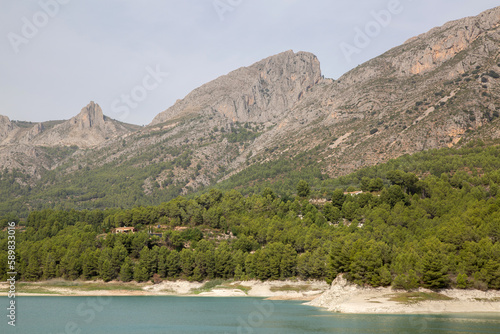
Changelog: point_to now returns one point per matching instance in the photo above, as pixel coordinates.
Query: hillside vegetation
(429, 220)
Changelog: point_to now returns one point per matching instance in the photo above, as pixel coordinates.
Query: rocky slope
(89, 128)
(439, 89)
(430, 92)
(263, 92)
(23, 145)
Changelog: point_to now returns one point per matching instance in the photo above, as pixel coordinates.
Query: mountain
(270, 123)
(263, 92)
(89, 128)
(25, 145)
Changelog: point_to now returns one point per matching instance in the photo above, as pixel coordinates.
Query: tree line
(405, 229)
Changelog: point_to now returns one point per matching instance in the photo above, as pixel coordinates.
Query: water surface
(179, 315)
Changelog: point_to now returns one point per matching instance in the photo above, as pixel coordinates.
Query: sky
(136, 58)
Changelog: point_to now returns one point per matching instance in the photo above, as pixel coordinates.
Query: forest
(431, 220)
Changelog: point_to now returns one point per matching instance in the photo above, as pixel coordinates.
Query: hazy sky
(136, 58)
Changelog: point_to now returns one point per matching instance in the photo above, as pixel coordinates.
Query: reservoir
(191, 315)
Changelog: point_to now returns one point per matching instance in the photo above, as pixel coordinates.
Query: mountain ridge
(242, 94)
(439, 89)
(89, 128)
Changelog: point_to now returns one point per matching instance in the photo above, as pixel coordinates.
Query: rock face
(90, 117)
(87, 129)
(22, 144)
(260, 93)
(443, 43)
(340, 291)
(5, 127)
(431, 92)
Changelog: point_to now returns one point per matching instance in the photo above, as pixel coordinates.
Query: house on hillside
(125, 230)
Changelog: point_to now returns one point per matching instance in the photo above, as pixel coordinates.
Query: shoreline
(344, 297)
(279, 290)
(340, 297)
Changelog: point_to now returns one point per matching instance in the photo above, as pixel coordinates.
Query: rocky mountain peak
(5, 126)
(89, 117)
(89, 128)
(260, 93)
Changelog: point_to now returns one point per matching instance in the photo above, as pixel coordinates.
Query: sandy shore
(348, 298)
(339, 297)
(293, 290)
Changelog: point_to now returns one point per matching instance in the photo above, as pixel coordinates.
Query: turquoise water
(151, 315)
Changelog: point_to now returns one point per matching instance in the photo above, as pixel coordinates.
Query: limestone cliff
(260, 93)
(6, 127)
(87, 129)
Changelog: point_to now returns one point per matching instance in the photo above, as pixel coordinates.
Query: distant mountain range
(438, 89)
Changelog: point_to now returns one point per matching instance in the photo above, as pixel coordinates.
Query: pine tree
(173, 264)
(303, 189)
(49, 267)
(462, 281)
(106, 272)
(141, 273)
(126, 270)
(434, 272)
(143, 270)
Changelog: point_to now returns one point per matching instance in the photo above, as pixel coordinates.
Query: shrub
(373, 131)
(493, 74)
(408, 281)
(462, 281)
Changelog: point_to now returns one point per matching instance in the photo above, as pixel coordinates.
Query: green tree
(408, 281)
(49, 266)
(70, 266)
(187, 263)
(106, 272)
(349, 210)
(303, 189)
(376, 184)
(127, 270)
(90, 263)
(365, 183)
(434, 274)
(338, 198)
(141, 273)
(332, 213)
(143, 270)
(462, 281)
